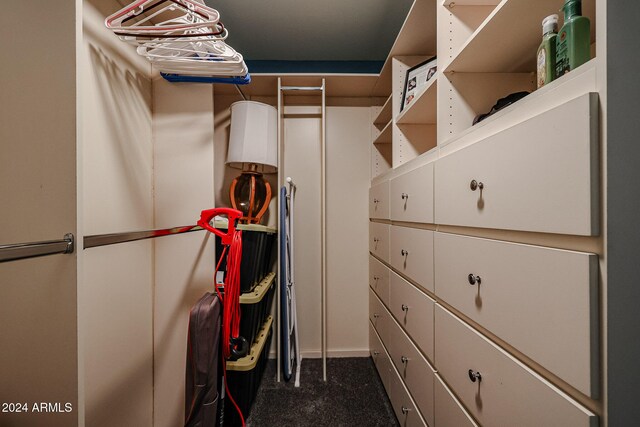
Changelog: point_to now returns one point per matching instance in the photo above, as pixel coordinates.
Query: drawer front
(449, 412)
(379, 316)
(402, 403)
(379, 240)
(413, 309)
(379, 357)
(411, 195)
(379, 279)
(543, 302)
(379, 201)
(415, 371)
(508, 393)
(412, 254)
(539, 175)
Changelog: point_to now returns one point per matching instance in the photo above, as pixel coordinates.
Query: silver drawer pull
(404, 252)
(404, 359)
(376, 201)
(376, 278)
(404, 196)
(405, 410)
(474, 279)
(376, 240)
(473, 376)
(375, 352)
(376, 315)
(405, 307)
(474, 185)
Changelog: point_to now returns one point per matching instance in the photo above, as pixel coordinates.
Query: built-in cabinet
(486, 239)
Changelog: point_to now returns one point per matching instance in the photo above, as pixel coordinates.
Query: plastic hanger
(195, 15)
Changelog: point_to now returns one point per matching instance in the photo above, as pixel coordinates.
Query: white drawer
(379, 201)
(413, 309)
(415, 371)
(379, 316)
(402, 403)
(379, 357)
(379, 240)
(412, 254)
(543, 302)
(379, 279)
(539, 175)
(508, 392)
(411, 195)
(449, 412)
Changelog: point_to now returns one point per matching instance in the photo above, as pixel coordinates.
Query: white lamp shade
(254, 135)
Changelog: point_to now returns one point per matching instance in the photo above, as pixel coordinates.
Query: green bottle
(546, 58)
(573, 43)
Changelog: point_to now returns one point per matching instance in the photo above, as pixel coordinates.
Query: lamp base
(250, 193)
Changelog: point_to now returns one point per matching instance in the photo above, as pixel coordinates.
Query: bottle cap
(550, 24)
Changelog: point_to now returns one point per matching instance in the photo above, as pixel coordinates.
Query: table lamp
(253, 149)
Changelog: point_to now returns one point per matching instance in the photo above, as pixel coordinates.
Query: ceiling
(305, 30)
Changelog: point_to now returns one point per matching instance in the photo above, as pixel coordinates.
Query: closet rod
(307, 88)
(18, 251)
(113, 238)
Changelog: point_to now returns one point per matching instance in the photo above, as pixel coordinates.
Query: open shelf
(384, 116)
(507, 41)
(417, 37)
(385, 135)
(563, 89)
(423, 109)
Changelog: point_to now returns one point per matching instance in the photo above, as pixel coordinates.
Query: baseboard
(317, 354)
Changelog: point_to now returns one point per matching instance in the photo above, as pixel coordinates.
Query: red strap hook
(232, 214)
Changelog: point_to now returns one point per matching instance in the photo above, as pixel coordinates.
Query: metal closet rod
(307, 88)
(131, 236)
(18, 251)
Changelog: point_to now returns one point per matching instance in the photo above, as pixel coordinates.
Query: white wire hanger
(183, 39)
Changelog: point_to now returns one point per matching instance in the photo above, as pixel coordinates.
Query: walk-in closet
(415, 213)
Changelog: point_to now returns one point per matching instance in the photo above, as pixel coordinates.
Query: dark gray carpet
(352, 396)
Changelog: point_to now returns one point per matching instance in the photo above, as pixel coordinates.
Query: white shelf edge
(386, 129)
(386, 105)
(478, 30)
(430, 87)
(454, 3)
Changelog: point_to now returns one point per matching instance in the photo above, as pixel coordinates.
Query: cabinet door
(412, 254)
(379, 316)
(542, 301)
(379, 240)
(415, 371)
(379, 357)
(402, 403)
(449, 412)
(379, 201)
(411, 195)
(495, 387)
(379, 279)
(413, 309)
(540, 175)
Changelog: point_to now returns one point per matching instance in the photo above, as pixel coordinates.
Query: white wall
(38, 327)
(348, 162)
(116, 292)
(184, 264)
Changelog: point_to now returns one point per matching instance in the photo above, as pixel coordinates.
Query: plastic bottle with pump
(546, 58)
(573, 43)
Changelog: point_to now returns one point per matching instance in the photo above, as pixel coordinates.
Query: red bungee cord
(232, 343)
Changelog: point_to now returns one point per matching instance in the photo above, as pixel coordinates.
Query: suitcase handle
(243, 347)
(232, 214)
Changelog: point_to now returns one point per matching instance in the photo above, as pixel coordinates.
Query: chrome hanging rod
(303, 88)
(35, 249)
(113, 238)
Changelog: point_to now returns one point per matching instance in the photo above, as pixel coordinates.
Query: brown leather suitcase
(203, 352)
